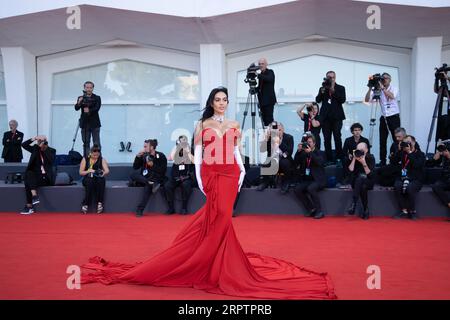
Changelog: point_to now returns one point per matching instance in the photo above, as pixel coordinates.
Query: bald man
(266, 91)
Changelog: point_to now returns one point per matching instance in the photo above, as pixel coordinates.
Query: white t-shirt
(388, 107)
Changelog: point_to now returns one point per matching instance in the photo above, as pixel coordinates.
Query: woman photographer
(362, 177)
(93, 169)
(311, 120)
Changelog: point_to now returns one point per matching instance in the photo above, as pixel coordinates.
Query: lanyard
(308, 162)
(42, 162)
(309, 123)
(406, 161)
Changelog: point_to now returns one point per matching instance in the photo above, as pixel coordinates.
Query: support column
(426, 55)
(212, 69)
(20, 85)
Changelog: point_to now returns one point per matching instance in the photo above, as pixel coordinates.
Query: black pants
(186, 191)
(141, 180)
(86, 134)
(388, 174)
(393, 122)
(439, 188)
(93, 186)
(407, 200)
(34, 180)
(267, 114)
(361, 186)
(308, 193)
(332, 127)
(285, 166)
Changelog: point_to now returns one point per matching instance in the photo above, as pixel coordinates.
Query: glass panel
(126, 123)
(128, 80)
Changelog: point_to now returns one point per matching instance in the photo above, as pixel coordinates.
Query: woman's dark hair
(95, 148)
(208, 111)
(356, 125)
(88, 82)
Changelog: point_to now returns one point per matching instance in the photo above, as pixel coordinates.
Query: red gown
(207, 255)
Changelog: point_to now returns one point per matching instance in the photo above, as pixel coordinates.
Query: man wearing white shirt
(390, 113)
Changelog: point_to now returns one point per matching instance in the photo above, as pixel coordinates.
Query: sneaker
(99, 207)
(35, 200)
(84, 209)
(319, 215)
(27, 210)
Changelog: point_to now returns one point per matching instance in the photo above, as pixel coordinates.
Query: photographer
(93, 169)
(311, 120)
(279, 146)
(12, 143)
(150, 171)
(441, 75)
(442, 159)
(182, 173)
(380, 88)
(361, 169)
(266, 91)
(388, 174)
(350, 145)
(309, 165)
(411, 176)
(89, 104)
(40, 170)
(332, 96)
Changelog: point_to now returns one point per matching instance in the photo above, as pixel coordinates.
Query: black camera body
(309, 108)
(251, 76)
(359, 153)
(374, 81)
(404, 144)
(98, 173)
(305, 145)
(327, 83)
(405, 184)
(439, 71)
(445, 145)
(148, 157)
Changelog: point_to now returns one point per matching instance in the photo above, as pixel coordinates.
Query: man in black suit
(280, 146)
(12, 143)
(89, 104)
(39, 171)
(266, 92)
(332, 96)
(309, 165)
(150, 171)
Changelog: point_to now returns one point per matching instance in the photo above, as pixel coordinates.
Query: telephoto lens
(441, 148)
(405, 185)
(359, 153)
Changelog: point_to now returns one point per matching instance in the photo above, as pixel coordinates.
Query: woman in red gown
(206, 254)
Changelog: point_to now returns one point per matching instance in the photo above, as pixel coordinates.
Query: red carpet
(414, 256)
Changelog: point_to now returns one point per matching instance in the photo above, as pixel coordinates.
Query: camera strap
(42, 162)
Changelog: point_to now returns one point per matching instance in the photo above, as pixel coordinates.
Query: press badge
(404, 172)
(307, 171)
(157, 156)
(181, 167)
(329, 101)
(144, 173)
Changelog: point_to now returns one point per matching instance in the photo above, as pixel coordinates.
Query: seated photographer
(350, 145)
(182, 173)
(361, 170)
(388, 174)
(311, 120)
(93, 169)
(150, 171)
(282, 145)
(410, 177)
(442, 185)
(309, 164)
(40, 170)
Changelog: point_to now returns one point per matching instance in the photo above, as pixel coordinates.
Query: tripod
(253, 104)
(373, 118)
(442, 91)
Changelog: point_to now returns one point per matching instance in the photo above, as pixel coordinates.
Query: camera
(439, 71)
(274, 125)
(404, 144)
(405, 184)
(444, 145)
(374, 83)
(251, 76)
(305, 145)
(327, 83)
(98, 173)
(359, 153)
(309, 108)
(148, 157)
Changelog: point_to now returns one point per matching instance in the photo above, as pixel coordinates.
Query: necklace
(218, 118)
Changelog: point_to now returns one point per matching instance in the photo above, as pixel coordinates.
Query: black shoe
(27, 210)
(139, 213)
(310, 213)
(285, 188)
(365, 215)
(170, 210)
(184, 211)
(352, 208)
(413, 215)
(262, 186)
(35, 200)
(319, 215)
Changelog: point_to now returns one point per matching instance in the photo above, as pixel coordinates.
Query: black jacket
(90, 119)
(316, 166)
(266, 88)
(333, 111)
(359, 169)
(350, 145)
(12, 148)
(314, 130)
(444, 164)
(416, 165)
(34, 164)
(156, 173)
(286, 146)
